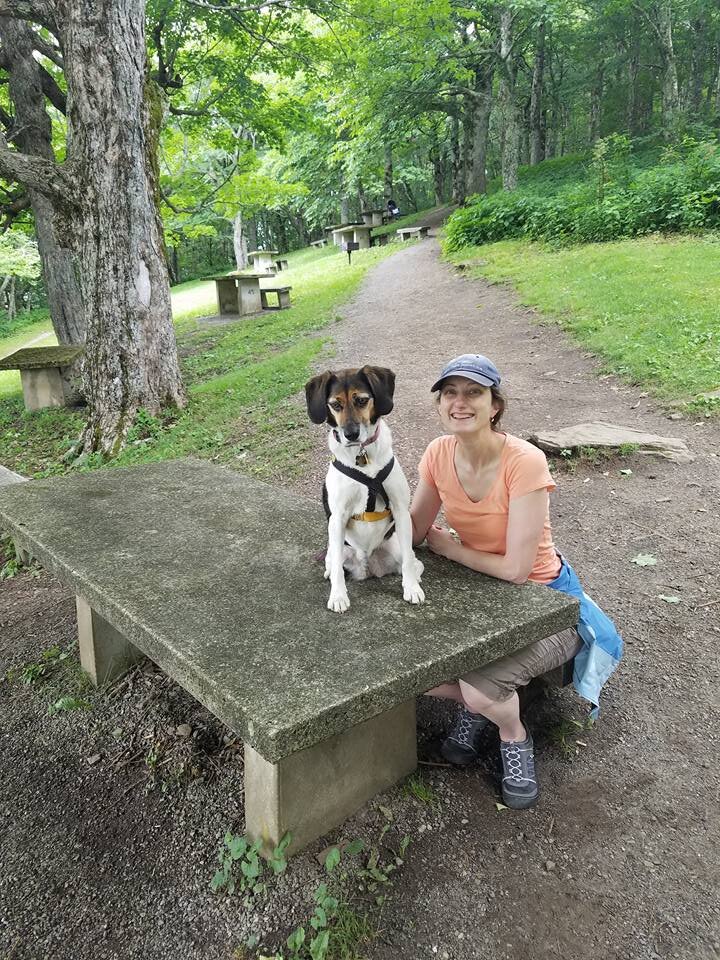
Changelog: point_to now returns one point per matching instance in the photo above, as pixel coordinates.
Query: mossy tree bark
(107, 192)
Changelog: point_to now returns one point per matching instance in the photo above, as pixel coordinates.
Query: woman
(495, 492)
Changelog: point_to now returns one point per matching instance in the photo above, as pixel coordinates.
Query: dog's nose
(351, 431)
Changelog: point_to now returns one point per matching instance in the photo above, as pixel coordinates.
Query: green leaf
(356, 846)
(296, 939)
(218, 881)
(644, 560)
(319, 945)
(332, 859)
(319, 918)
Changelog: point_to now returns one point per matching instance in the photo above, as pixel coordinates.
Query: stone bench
(282, 294)
(319, 243)
(406, 233)
(281, 265)
(45, 373)
(212, 575)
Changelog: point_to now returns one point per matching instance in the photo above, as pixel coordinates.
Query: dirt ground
(110, 821)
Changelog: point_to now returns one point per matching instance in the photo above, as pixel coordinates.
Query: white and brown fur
(353, 402)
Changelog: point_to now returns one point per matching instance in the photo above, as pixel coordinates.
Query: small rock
(91, 761)
(549, 865)
(675, 416)
(184, 730)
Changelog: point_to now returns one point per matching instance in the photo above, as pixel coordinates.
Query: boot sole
(520, 803)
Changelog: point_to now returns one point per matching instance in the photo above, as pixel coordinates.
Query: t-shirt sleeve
(528, 471)
(428, 464)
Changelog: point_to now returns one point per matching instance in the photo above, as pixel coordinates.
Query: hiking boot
(460, 745)
(519, 784)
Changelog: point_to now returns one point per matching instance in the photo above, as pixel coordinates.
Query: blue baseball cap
(473, 366)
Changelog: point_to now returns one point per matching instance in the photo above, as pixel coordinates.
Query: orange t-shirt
(482, 525)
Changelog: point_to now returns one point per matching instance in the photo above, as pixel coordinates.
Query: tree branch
(37, 173)
(48, 50)
(52, 91)
(37, 11)
(231, 8)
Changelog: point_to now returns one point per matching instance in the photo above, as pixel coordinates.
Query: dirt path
(619, 860)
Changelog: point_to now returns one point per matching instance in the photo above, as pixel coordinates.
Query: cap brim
(468, 374)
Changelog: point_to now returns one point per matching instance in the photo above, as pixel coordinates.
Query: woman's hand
(442, 542)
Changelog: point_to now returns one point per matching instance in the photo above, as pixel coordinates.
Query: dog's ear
(382, 386)
(316, 394)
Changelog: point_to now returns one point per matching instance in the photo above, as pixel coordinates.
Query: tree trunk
(131, 357)
(33, 135)
(240, 247)
(670, 92)
(467, 146)
(508, 100)
(596, 97)
(698, 56)
(481, 105)
(537, 144)
(633, 70)
(344, 210)
(388, 191)
(458, 183)
(251, 233)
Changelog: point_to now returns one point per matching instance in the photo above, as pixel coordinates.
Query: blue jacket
(602, 645)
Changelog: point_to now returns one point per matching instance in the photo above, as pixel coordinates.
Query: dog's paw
(339, 602)
(413, 593)
(419, 568)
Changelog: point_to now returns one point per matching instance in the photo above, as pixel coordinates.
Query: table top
(242, 276)
(213, 575)
(254, 253)
(39, 358)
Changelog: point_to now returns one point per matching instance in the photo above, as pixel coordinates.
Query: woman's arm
(526, 519)
(425, 506)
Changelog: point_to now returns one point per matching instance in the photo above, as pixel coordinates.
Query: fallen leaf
(669, 599)
(644, 560)
(626, 473)
(500, 806)
(91, 761)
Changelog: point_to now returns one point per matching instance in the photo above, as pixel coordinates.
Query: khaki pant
(501, 678)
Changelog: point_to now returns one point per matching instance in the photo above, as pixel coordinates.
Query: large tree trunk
(596, 97)
(508, 101)
(481, 106)
(344, 210)
(131, 358)
(33, 135)
(388, 192)
(537, 133)
(240, 246)
(633, 71)
(458, 182)
(670, 90)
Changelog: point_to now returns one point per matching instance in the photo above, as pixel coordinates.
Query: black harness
(374, 485)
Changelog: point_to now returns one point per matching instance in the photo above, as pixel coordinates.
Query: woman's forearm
(493, 564)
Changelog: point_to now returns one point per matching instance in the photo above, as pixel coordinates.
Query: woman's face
(465, 407)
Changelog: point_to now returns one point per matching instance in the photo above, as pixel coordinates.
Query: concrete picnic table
(322, 242)
(239, 292)
(213, 576)
(45, 374)
(406, 232)
(374, 218)
(263, 259)
(356, 232)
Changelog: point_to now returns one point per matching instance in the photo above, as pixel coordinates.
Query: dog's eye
(334, 405)
(361, 401)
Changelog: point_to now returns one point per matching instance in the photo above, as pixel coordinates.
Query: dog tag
(361, 460)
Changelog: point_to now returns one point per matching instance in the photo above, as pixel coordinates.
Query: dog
(366, 495)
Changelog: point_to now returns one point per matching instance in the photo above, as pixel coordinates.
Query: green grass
(648, 306)
(241, 379)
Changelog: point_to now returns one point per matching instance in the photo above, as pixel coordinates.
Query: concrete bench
(212, 575)
(45, 373)
(406, 233)
(282, 294)
(281, 265)
(319, 243)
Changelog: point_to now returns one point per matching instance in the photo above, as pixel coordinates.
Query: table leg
(311, 792)
(249, 295)
(104, 653)
(42, 388)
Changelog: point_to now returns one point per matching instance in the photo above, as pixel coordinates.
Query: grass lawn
(648, 306)
(240, 379)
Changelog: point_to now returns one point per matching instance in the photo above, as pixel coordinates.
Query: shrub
(680, 192)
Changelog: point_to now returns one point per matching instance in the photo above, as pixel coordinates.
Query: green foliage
(67, 704)
(680, 193)
(241, 866)
(19, 256)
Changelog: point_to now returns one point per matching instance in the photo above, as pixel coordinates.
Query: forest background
(262, 124)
